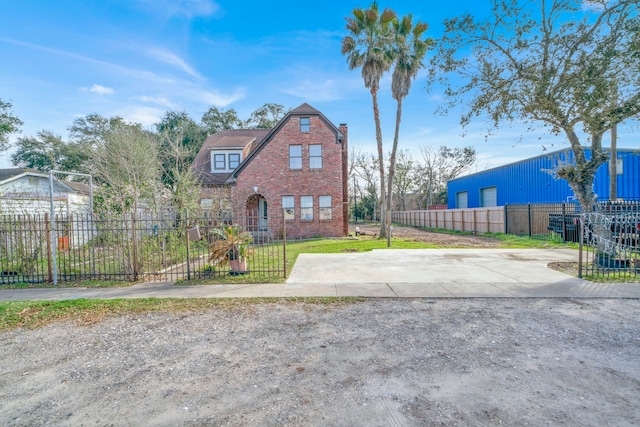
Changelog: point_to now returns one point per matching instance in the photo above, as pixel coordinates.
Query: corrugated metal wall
(527, 182)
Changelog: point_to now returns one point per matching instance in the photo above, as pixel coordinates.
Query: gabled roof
(241, 138)
(229, 139)
(8, 175)
(302, 110)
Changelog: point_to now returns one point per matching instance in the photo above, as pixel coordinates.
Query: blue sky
(139, 58)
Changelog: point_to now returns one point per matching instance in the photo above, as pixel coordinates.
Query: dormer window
(223, 161)
(234, 160)
(305, 124)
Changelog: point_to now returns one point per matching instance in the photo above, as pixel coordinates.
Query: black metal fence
(549, 221)
(610, 243)
(163, 245)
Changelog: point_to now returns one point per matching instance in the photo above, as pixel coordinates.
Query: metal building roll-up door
(462, 200)
(489, 197)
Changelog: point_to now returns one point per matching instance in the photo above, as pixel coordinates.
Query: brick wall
(269, 171)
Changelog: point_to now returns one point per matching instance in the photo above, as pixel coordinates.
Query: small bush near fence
(164, 245)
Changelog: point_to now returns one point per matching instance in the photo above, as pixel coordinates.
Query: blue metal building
(529, 181)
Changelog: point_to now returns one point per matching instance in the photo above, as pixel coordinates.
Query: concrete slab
(432, 266)
(416, 290)
(365, 289)
(310, 290)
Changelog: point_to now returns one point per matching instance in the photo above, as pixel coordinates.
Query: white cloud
(159, 100)
(222, 100)
(146, 116)
(101, 90)
(163, 55)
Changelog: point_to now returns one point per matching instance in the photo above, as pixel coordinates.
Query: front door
(262, 214)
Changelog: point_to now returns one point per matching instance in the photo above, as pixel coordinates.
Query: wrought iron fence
(549, 221)
(161, 245)
(610, 244)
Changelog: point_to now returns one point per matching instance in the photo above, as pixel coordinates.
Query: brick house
(297, 170)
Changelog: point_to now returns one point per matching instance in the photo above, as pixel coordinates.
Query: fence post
(506, 220)
(564, 224)
(284, 242)
(134, 245)
(48, 234)
(186, 234)
(529, 218)
(581, 233)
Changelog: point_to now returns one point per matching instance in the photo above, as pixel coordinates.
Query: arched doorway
(257, 212)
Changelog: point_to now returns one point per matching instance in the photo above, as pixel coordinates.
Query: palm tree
(409, 49)
(369, 47)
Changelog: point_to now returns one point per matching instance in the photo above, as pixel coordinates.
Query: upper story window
(219, 162)
(295, 157)
(315, 156)
(225, 160)
(234, 160)
(305, 124)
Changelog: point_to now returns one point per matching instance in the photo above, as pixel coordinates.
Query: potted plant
(231, 247)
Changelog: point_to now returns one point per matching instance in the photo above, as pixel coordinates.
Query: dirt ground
(381, 362)
(442, 239)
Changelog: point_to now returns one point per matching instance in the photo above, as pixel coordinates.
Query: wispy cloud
(187, 8)
(222, 100)
(314, 90)
(158, 100)
(100, 90)
(170, 58)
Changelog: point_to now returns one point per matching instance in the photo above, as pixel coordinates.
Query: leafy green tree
(266, 117)
(92, 130)
(180, 140)
(409, 49)
(569, 66)
(368, 47)
(8, 124)
(214, 120)
(48, 151)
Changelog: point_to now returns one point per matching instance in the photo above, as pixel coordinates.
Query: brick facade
(266, 175)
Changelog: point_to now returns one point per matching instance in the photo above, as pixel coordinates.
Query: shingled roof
(227, 138)
(240, 138)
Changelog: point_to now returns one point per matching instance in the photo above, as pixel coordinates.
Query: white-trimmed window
(315, 156)
(206, 203)
(325, 207)
(305, 124)
(219, 162)
(225, 160)
(288, 205)
(295, 157)
(234, 160)
(306, 208)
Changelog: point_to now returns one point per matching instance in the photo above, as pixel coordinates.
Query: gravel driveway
(381, 362)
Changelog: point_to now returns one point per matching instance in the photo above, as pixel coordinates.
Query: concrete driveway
(447, 273)
(463, 266)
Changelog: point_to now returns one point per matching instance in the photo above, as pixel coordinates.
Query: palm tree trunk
(376, 119)
(392, 168)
